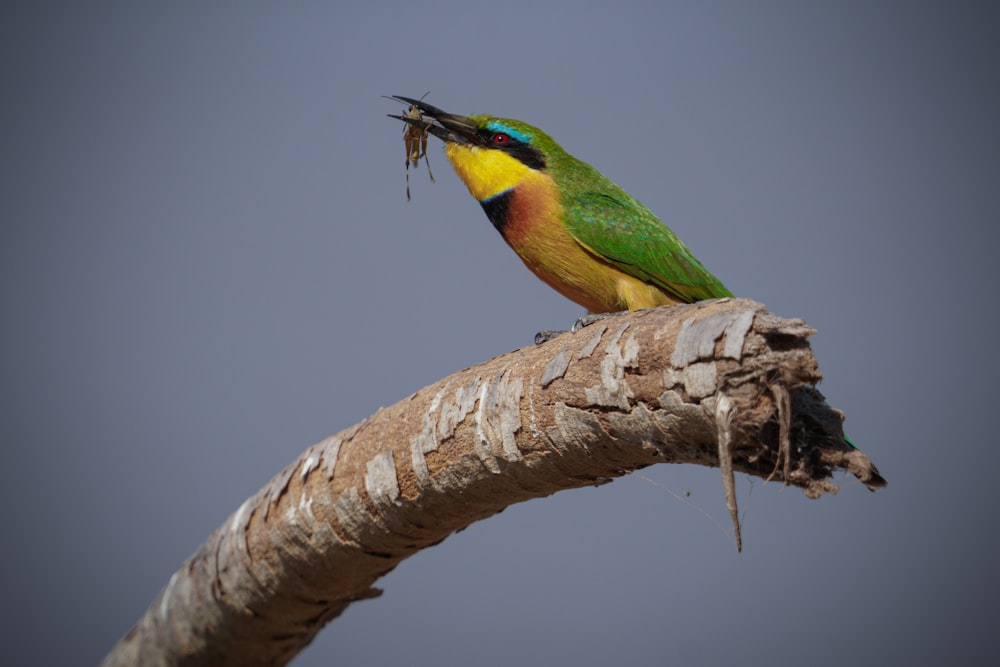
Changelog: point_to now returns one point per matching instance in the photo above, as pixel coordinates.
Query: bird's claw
(587, 320)
(547, 335)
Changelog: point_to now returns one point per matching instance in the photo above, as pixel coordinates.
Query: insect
(415, 139)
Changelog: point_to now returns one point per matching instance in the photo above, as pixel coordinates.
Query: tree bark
(721, 383)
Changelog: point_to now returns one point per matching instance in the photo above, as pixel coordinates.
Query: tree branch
(683, 384)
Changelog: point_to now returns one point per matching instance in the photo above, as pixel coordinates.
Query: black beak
(447, 127)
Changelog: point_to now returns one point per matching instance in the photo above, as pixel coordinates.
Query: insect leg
(423, 149)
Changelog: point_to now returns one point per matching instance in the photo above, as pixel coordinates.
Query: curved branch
(683, 384)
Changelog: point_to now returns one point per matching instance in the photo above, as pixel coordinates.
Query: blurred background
(208, 263)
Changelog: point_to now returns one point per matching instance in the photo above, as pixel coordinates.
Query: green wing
(627, 234)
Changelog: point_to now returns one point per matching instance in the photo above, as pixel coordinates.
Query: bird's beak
(447, 127)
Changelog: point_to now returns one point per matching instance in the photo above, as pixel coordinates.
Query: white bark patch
(323, 454)
(381, 482)
(425, 441)
(699, 379)
(165, 597)
(351, 514)
(330, 455)
(278, 486)
(308, 464)
(454, 412)
(499, 417)
(697, 337)
(736, 334)
(613, 391)
(232, 544)
(574, 428)
(329, 449)
(556, 368)
(481, 443)
(305, 508)
(241, 517)
(592, 344)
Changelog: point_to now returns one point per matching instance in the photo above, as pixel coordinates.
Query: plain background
(208, 263)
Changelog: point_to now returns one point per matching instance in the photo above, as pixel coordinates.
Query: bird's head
(491, 155)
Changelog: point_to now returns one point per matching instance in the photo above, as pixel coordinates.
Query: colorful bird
(576, 230)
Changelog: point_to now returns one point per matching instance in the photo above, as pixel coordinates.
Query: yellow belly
(536, 232)
(594, 284)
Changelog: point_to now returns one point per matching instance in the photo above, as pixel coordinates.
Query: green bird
(576, 230)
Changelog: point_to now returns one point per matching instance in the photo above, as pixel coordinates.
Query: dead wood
(688, 384)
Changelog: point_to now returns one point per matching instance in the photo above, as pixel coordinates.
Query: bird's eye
(501, 138)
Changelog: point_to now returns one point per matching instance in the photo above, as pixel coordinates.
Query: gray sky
(208, 263)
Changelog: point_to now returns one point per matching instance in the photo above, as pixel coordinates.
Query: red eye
(501, 138)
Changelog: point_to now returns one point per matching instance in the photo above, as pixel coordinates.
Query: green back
(614, 225)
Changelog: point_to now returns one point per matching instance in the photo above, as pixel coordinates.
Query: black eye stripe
(529, 155)
(526, 153)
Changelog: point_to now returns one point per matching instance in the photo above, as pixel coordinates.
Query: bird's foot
(587, 320)
(547, 335)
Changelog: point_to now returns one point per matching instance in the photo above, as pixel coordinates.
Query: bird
(574, 228)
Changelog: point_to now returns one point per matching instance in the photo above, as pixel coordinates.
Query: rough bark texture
(678, 385)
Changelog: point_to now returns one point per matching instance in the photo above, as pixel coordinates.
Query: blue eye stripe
(496, 126)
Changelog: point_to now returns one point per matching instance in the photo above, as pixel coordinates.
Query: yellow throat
(485, 172)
